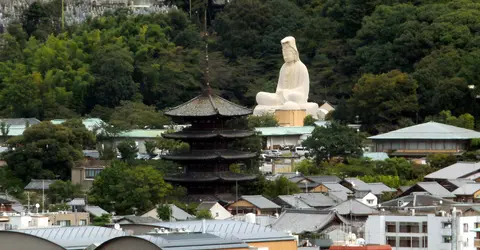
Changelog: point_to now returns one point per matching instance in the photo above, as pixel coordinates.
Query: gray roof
(429, 130)
(16, 205)
(336, 187)
(404, 188)
(77, 202)
(324, 178)
(316, 199)
(208, 104)
(95, 210)
(338, 196)
(420, 199)
(20, 121)
(180, 214)
(206, 205)
(260, 201)
(434, 189)
(379, 188)
(37, 184)
(354, 207)
(358, 184)
(78, 237)
(455, 171)
(467, 189)
(137, 219)
(293, 201)
(460, 182)
(193, 241)
(298, 221)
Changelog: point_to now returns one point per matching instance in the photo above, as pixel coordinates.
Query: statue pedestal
(290, 118)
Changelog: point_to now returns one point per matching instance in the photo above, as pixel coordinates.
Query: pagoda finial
(207, 70)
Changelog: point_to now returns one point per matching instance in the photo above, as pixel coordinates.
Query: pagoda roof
(210, 155)
(209, 176)
(201, 134)
(208, 104)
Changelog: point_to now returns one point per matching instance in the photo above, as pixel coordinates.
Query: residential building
(422, 202)
(424, 139)
(354, 210)
(5, 205)
(316, 200)
(355, 184)
(276, 137)
(468, 193)
(85, 171)
(132, 219)
(459, 170)
(256, 204)
(177, 214)
(379, 188)
(291, 202)
(432, 188)
(217, 211)
(324, 109)
(67, 218)
(95, 211)
(424, 232)
(324, 178)
(453, 184)
(39, 186)
(367, 198)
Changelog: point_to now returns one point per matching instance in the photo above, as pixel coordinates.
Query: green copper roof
(280, 131)
(90, 123)
(142, 133)
(430, 130)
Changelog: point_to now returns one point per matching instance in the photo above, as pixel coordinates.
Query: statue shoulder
(301, 65)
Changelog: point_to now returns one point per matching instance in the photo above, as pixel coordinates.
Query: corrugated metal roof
(316, 199)
(467, 189)
(280, 131)
(142, 133)
(429, 130)
(95, 210)
(260, 201)
(294, 201)
(455, 171)
(378, 188)
(376, 156)
(69, 237)
(434, 189)
(37, 184)
(354, 207)
(336, 187)
(194, 241)
(298, 221)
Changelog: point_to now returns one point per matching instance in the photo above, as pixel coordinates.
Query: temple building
(207, 163)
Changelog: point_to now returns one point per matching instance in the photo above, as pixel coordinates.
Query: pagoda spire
(208, 90)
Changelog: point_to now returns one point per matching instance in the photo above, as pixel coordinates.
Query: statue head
(289, 50)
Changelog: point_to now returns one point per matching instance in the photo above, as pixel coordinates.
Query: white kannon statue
(292, 88)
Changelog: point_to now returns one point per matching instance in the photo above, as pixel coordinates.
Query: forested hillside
(390, 62)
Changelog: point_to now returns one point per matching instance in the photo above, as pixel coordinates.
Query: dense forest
(390, 62)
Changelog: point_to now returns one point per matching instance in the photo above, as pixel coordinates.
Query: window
(405, 241)
(446, 225)
(424, 227)
(476, 224)
(425, 241)
(83, 223)
(391, 227)
(370, 201)
(216, 214)
(91, 173)
(409, 227)
(63, 223)
(392, 241)
(465, 227)
(447, 239)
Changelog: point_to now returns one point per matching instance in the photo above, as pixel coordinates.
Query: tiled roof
(77, 202)
(209, 176)
(95, 210)
(20, 122)
(37, 184)
(89, 123)
(78, 237)
(430, 130)
(280, 131)
(209, 134)
(293, 201)
(138, 219)
(299, 221)
(354, 207)
(208, 104)
(334, 187)
(455, 171)
(460, 182)
(260, 201)
(379, 188)
(358, 184)
(210, 155)
(467, 189)
(180, 214)
(421, 199)
(206, 205)
(434, 189)
(338, 196)
(316, 199)
(324, 178)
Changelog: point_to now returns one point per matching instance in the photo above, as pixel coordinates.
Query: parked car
(143, 156)
(276, 152)
(300, 151)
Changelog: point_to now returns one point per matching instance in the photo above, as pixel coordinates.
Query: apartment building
(430, 232)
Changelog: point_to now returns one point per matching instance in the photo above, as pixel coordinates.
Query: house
(336, 187)
(453, 184)
(354, 210)
(324, 109)
(432, 188)
(17, 126)
(424, 139)
(91, 124)
(95, 211)
(38, 185)
(316, 200)
(459, 170)
(291, 201)
(85, 171)
(324, 178)
(77, 204)
(468, 193)
(422, 202)
(177, 214)
(256, 204)
(355, 184)
(367, 198)
(5, 206)
(132, 219)
(378, 188)
(277, 137)
(217, 211)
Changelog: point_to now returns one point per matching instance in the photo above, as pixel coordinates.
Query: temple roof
(210, 155)
(199, 134)
(209, 176)
(208, 104)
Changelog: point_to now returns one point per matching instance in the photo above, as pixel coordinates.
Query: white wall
(222, 212)
(369, 197)
(283, 140)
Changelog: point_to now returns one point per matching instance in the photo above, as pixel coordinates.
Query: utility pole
(43, 196)
(63, 15)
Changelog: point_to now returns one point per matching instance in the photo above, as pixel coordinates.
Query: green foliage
(44, 151)
(281, 186)
(204, 214)
(439, 161)
(103, 220)
(85, 138)
(128, 149)
(334, 140)
(119, 188)
(134, 115)
(464, 121)
(164, 212)
(392, 181)
(60, 191)
(309, 121)
(307, 167)
(266, 120)
(150, 147)
(4, 129)
(58, 207)
(170, 145)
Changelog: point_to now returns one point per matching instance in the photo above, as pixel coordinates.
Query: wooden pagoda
(206, 164)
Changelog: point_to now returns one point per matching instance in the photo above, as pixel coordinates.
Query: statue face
(288, 54)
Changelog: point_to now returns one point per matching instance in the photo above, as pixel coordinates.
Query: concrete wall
(20, 241)
(222, 212)
(288, 118)
(420, 145)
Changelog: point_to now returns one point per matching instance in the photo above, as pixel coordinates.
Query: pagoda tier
(225, 176)
(208, 134)
(198, 155)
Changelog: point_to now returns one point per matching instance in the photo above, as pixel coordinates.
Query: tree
(439, 161)
(120, 188)
(102, 220)
(85, 138)
(170, 145)
(132, 115)
(266, 120)
(309, 121)
(59, 191)
(128, 149)
(464, 121)
(150, 147)
(164, 212)
(204, 214)
(307, 167)
(334, 140)
(45, 151)
(281, 186)
(5, 129)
